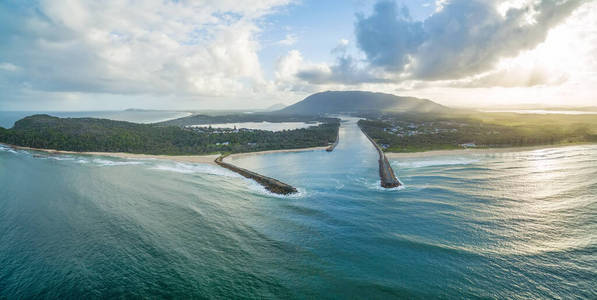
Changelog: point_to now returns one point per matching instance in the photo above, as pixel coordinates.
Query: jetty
(386, 174)
(270, 184)
(333, 146)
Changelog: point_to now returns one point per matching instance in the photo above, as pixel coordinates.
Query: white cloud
(204, 47)
(289, 40)
(8, 67)
(180, 51)
(463, 38)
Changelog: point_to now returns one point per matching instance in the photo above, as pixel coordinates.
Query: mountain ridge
(335, 102)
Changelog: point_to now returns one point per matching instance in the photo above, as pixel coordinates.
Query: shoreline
(207, 159)
(204, 159)
(476, 151)
(210, 158)
(234, 156)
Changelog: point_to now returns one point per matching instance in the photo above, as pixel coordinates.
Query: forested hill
(337, 102)
(102, 135)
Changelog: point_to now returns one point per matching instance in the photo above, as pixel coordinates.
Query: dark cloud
(384, 46)
(465, 38)
(345, 70)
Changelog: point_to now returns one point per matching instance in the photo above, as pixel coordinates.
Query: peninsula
(102, 135)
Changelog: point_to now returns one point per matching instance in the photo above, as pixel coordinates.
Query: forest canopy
(102, 135)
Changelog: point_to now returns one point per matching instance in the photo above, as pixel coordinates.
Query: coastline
(210, 158)
(203, 159)
(206, 159)
(476, 151)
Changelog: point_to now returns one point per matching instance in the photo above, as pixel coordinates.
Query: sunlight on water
(520, 224)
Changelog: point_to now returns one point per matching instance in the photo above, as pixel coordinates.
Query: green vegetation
(101, 135)
(423, 132)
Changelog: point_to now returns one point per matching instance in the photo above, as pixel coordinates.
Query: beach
(202, 159)
(209, 158)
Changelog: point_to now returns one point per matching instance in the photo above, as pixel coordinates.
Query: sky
(229, 54)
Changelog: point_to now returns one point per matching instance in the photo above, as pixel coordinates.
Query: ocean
(515, 225)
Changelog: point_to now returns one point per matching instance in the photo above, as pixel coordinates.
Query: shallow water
(504, 225)
(262, 125)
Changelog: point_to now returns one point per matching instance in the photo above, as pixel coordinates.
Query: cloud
(389, 36)
(8, 67)
(462, 38)
(128, 47)
(345, 71)
(461, 45)
(515, 77)
(289, 40)
(292, 68)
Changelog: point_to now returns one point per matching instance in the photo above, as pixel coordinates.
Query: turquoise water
(512, 225)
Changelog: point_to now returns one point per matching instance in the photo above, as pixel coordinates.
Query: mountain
(335, 102)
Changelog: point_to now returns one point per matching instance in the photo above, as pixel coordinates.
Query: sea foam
(186, 168)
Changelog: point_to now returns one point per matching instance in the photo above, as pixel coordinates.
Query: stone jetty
(270, 184)
(386, 174)
(333, 146)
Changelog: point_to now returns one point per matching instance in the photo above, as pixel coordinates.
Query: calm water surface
(509, 225)
(263, 125)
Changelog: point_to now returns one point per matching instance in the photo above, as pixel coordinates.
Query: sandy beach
(203, 159)
(209, 159)
(391, 155)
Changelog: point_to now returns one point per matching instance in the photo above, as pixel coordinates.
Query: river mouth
(354, 156)
(462, 226)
